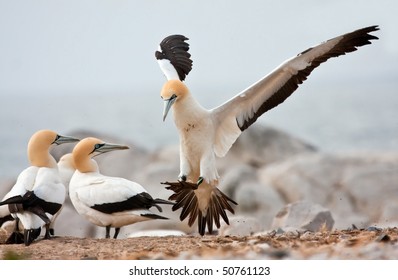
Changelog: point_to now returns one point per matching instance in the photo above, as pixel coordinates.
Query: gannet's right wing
(241, 111)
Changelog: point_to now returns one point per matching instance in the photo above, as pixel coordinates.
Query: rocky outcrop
(269, 173)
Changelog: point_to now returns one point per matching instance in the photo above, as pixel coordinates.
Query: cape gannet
(66, 168)
(105, 201)
(205, 134)
(38, 193)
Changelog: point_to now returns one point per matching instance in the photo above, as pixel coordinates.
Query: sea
(339, 119)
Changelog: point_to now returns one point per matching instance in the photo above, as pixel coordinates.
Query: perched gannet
(38, 193)
(107, 201)
(66, 168)
(205, 134)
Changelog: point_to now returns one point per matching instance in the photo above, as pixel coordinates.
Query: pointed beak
(167, 105)
(64, 139)
(104, 148)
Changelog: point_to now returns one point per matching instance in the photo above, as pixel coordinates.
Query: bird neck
(187, 109)
(86, 164)
(40, 156)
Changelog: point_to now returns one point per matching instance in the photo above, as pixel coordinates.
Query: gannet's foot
(15, 238)
(200, 181)
(30, 235)
(180, 185)
(48, 233)
(182, 178)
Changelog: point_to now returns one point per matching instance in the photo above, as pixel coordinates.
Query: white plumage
(38, 193)
(66, 168)
(105, 201)
(205, 134)
(24, 182)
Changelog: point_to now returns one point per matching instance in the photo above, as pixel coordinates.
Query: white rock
(303, 215)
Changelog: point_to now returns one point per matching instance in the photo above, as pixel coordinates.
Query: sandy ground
(349, 244)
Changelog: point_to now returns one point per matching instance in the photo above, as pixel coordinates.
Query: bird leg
(200, 180)
(30, 235)
(108, 232)
(117, 230)
(182, 178)
(49, 232)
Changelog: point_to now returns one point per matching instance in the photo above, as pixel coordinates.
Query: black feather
(175, 49)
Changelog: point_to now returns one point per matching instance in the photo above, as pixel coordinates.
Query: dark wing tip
(175, 49)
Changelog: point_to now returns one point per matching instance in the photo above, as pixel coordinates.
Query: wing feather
(108, 190)
(241, 111)
(173, 57)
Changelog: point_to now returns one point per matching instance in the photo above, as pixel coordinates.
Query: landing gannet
(107, 201)
(38, 193)
(205, 134)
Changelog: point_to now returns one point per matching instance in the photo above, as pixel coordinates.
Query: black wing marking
(140, 201)
(32, 203)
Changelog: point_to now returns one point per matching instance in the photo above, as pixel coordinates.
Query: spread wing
(237, 114)
(173, 57)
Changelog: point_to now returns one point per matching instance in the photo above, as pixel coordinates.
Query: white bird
(207, 134)
(38, 193)
(25, 180)
(105, 201)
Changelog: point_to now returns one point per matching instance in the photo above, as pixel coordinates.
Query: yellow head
(89, 147)
(172, 91)
(39, 146)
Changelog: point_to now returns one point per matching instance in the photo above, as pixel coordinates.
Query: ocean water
(335, 120)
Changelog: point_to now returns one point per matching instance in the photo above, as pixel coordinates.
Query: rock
(254, 199)
(358, 188)
(261, 145)
(374, 189)
(303, 215)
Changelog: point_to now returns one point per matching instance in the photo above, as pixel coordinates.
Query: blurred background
(90, 65)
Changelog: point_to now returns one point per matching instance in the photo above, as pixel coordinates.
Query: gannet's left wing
(173, 57)
(241, 111)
